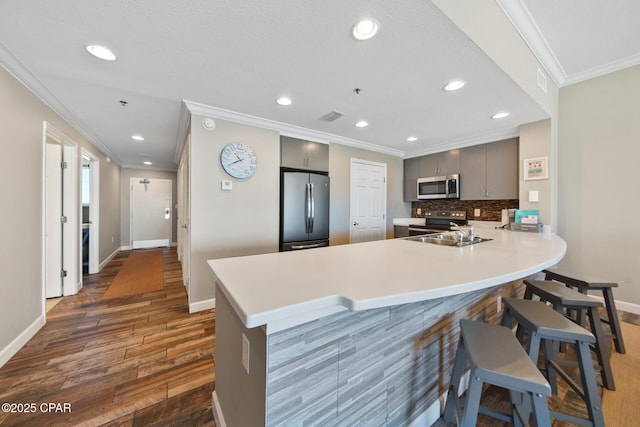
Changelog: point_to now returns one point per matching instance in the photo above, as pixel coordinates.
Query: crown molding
(284, 128)
(524, 23)
(465, 142)
(21, 73)
(630, 61)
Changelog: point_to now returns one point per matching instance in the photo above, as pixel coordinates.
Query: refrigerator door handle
(312, 217)
(308, 208)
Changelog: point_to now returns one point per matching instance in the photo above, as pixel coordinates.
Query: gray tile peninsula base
(385, 366)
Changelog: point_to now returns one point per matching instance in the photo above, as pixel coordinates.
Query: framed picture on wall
(536, 168)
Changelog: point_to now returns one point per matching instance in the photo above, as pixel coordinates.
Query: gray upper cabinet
(444, 163)
(489, 171)
(302, 154)
(411, 175)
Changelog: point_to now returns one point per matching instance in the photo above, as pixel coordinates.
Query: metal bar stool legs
(609, 302)
(547, 327)
(495, 357)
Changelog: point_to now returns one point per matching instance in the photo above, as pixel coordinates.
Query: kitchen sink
(447, 240)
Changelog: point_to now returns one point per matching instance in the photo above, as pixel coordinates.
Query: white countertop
(281, 290)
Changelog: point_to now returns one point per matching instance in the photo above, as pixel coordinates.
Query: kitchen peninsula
(357, 334)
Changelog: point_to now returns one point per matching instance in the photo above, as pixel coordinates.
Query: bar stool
(562, 297)
(609, 303)
(495, 357)
(548, 327)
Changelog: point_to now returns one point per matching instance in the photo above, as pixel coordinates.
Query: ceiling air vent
(329, 117)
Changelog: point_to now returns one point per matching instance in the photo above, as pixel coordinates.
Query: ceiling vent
(329, 117)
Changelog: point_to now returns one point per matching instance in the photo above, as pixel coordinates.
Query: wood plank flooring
(140, 360)
(132, 361)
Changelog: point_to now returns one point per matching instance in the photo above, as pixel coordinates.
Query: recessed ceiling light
(101, 52)
(137, 137)
(362, 124)
(284, 101)
(412, 139)
(454, 85)
(500, 115)
(365, 29)
(148, 162)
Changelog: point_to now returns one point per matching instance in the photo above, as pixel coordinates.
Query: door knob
(355, 223)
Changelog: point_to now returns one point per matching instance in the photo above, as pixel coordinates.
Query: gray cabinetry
(489, 171)
(444, 163)
(411, 175)
(302, 154)
(400, 231)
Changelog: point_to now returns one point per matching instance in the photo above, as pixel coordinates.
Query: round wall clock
(239, 160)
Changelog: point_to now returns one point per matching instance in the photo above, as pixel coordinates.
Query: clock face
(239, 160)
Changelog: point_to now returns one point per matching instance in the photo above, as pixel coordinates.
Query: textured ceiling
(240, 55)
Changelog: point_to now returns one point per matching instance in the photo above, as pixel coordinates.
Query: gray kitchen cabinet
(302, 154)
(400, 231)
(445, 163)
(411, 175)
(489, 171)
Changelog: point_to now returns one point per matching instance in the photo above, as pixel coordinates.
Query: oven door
(434, 187)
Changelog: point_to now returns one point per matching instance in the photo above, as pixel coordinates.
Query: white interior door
(184, 245)
(368, 201)
(150, 212)
(53, 214)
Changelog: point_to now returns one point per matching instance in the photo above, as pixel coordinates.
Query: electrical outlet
(246, 348)
(419, 211)
(499, 303)
(476, 212)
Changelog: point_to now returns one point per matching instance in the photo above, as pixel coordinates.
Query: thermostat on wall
(227, 185)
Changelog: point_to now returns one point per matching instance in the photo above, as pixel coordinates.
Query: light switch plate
(227, 185)
(533, 196)
(476, 212)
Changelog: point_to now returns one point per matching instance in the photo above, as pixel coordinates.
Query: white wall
(599, 183)
(21, 127)
(244, 221)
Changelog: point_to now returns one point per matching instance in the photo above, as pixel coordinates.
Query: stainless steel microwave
(439, 187)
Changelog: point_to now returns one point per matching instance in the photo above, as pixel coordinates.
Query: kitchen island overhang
(282, 290)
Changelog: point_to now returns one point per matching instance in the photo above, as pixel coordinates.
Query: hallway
(137, 360)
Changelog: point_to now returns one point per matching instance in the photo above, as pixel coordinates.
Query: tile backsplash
(490, 210)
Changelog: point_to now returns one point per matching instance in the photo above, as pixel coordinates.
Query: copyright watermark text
(32, 407)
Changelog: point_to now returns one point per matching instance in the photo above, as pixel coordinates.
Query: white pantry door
(368, 201)
(53, 226)
(150, 212)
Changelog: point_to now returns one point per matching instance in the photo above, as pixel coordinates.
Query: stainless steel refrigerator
(304, 210)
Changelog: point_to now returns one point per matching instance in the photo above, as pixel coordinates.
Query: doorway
(151, 202)
(368, 195)
(60, 213)
(90, 199)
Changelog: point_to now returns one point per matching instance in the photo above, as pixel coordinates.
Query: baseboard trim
(217, 410)
(108, 259)
(621, 305)
(9, 351)
(202, 305)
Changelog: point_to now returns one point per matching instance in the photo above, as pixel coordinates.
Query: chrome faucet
(469, 234)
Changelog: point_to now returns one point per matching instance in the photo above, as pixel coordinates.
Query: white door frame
(184, 215)
(72, 210)
(352, 193)
(94, 212)
(149, 243)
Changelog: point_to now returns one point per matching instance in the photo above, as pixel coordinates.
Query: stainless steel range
(438, 222)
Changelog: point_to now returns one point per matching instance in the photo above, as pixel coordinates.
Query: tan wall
(125, 200)
(21, 171)
(339, 171)
(244, 221)
(535, 142)
(599, 201)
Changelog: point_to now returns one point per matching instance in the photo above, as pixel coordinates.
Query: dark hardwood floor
(141, 360)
